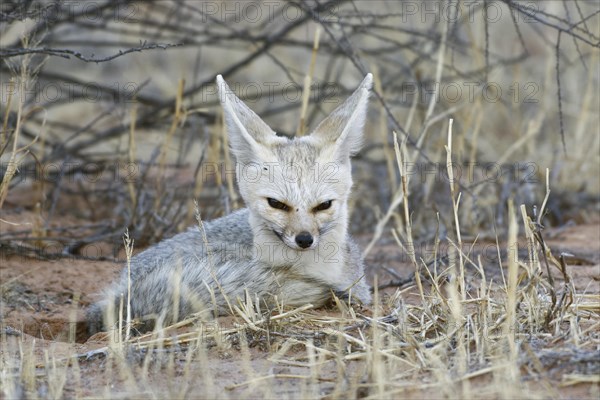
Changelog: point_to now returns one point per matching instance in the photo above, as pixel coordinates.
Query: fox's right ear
(249, 136)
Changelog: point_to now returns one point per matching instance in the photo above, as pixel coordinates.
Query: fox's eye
(277, 204)
(323, 206)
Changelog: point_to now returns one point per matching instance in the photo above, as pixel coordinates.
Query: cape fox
(289, 246)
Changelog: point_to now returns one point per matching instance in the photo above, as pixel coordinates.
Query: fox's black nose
(304, 240)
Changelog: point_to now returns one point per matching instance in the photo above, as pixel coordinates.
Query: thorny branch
(65, 53)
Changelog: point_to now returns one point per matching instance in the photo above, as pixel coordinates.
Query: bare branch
(66, 53)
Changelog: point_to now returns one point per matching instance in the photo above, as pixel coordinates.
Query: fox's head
(296, 189)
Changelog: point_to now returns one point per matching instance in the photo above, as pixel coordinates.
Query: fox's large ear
(342, 131)
(249, 136)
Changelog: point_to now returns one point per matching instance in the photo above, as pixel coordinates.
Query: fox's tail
(95, 318)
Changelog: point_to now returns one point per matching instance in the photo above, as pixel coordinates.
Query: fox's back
(219, 239)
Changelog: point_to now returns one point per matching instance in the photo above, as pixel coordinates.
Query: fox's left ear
(342, 131)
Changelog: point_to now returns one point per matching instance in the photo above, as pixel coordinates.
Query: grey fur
(251, 251)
